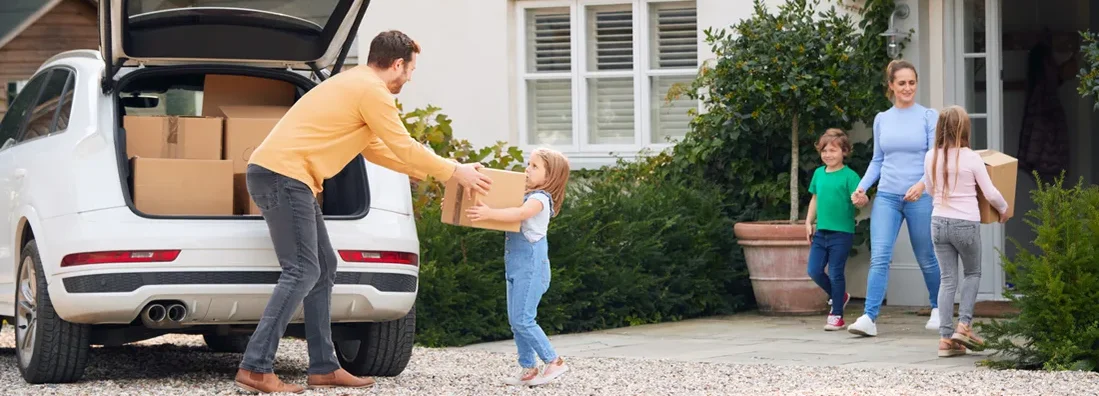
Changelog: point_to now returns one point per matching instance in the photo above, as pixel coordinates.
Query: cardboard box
(177, 137)
(230, 90)
(507, 191)
(245, 129)
(1003, 170)
(183, 187)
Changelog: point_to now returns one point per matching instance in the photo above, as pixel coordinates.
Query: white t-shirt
(534, 228)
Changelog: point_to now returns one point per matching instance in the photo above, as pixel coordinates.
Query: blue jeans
(885, 222)
(308, 271)
(527, 271)
(831, 248)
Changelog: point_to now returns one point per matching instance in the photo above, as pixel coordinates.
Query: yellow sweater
(350, 113)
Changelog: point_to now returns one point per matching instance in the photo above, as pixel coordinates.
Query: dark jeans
(308, 271)
(830, 248)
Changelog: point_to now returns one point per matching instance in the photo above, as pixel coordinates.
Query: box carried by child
(1002, 169)
(507, 191)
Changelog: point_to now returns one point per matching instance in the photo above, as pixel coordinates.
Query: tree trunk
(795, 152)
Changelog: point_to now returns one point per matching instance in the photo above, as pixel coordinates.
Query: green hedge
(622, 253)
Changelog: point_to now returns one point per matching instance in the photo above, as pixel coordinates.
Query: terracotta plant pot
(777, 254)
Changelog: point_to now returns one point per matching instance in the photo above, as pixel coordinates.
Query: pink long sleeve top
(961, 199)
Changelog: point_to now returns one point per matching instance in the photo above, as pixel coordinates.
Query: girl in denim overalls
(526, 261)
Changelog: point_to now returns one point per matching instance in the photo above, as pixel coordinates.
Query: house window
(595, 73)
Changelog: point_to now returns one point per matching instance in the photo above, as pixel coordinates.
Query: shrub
(628, 248)
(776, 85)
(1058, 290)
(622, 253)
(1089, 72)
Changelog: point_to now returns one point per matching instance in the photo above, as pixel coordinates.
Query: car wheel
(234, 343)
(381, 349)
(48, 349)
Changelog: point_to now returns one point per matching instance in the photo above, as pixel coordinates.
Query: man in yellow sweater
(350, 113)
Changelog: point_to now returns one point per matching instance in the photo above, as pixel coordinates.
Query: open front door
(974, 32)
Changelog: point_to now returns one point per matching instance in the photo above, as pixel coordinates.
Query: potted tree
(775, 86)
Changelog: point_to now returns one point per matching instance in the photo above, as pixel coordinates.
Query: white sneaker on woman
(933, 323)
(863, 326)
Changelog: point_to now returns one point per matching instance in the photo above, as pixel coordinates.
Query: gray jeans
(308, 271)
(954, 238)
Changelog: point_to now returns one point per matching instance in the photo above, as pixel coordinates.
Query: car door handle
(19, 173)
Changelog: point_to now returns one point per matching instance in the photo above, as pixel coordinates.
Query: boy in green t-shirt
(832, 186)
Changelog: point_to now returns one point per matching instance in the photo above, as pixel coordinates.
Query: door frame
(993, 236)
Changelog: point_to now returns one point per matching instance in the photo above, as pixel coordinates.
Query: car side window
(42, 114)
(12, 123)
(61, 119)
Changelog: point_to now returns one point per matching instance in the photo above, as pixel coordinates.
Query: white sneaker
(863, 326)
(933, 323)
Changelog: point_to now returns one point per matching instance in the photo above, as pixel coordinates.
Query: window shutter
(549, 101)
(611, 33)
(549, 45)
(670, 119)
(549, 110)
(674, 37)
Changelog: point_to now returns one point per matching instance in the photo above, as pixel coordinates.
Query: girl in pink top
(954, 172)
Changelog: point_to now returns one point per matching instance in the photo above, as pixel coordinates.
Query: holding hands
(859, 198)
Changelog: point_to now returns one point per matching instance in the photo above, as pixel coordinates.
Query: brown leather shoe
(264, 383)
(339, 378)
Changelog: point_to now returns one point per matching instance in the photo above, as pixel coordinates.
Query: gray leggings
(954, 238)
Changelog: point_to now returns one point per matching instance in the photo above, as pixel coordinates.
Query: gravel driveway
(181, 365)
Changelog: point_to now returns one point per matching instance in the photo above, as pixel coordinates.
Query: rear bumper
(225, 272)
(224, 296)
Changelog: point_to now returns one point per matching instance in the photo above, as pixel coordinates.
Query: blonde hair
(891, 74)
(837, 137)
(952, 131)
(557, 176)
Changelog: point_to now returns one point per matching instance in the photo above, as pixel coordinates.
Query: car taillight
(135, 256)
(359, 256)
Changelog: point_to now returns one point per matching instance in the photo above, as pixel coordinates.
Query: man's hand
(914, 192)
(808, 232)
(471, 179)
(1004, 217)
(479, 212)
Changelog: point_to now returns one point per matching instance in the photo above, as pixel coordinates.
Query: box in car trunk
(245, 128)
(173, 137)
(165, 186)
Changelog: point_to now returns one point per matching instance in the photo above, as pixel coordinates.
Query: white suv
(81, 266)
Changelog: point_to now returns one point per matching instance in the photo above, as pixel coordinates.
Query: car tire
(382, 349)
(56, 351)
(233, 343)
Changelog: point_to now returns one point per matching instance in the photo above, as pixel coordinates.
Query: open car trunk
(186, 132)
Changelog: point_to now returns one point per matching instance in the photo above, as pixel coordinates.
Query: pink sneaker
(523, 377)
(553, 370)
(835, 322)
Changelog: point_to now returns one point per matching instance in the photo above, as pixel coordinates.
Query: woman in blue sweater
(902, 136)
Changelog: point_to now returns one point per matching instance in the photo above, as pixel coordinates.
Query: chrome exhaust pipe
(176, 313)
(153, 315)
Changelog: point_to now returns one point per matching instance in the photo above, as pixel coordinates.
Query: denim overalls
(527, 271)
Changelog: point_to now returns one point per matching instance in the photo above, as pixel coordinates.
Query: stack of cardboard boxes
(194, 165)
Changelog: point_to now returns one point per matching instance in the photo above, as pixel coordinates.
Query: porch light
(893, 48)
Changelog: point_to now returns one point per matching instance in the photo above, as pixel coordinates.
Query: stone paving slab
(751, 338)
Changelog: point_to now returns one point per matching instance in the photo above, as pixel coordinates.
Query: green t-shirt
(835, 212)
